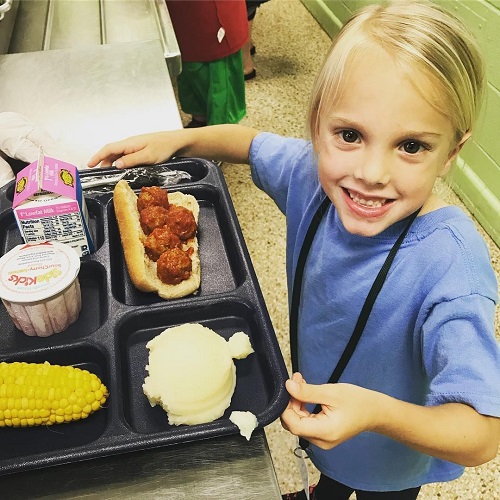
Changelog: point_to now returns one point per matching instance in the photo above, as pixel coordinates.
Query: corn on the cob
(44, 394)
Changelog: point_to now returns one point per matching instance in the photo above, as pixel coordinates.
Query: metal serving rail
(223, 468)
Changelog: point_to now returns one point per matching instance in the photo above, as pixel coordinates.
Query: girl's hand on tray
(229, 143)
(346, 410)
(146, 149)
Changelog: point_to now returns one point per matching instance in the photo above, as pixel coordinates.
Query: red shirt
(207, 30)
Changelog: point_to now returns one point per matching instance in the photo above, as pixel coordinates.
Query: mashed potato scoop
(191, 372)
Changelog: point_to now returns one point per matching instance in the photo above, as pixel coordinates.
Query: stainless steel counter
(88, 97)
(85, 98)
(63, 24)
(219, 469)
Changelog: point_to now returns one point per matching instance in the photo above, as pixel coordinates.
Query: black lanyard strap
(297, 280)
(365, 311)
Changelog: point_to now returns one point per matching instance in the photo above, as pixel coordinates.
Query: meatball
(152, 196)
(181, 221)
(152, 217)
(173, 266)
(160, 240)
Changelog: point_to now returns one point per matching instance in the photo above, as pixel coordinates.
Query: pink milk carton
(49, 205)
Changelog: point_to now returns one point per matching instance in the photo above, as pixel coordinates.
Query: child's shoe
(300, 495)
(194, 123)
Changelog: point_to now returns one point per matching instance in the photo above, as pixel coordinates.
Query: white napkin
(20, 139)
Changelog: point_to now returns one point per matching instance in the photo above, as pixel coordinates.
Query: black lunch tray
(116, 321)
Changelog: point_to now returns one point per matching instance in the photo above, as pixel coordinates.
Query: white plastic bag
(21, 139)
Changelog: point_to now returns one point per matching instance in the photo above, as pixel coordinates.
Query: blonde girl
(419, 399)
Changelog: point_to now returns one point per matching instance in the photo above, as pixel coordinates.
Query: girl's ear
(454, 152)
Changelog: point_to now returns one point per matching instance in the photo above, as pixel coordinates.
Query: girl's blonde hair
(422, 38)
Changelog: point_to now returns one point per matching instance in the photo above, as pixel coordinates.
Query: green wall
(476, 177)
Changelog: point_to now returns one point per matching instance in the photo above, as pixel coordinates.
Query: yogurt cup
(39, 287)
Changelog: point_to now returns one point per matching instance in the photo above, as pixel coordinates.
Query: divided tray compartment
(61, 439)
(221, 254)
(255, 387)
(116, 322)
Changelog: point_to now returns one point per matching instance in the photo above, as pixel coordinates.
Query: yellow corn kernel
(44, 394)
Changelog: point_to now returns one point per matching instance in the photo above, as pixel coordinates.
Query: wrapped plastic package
(21, 139)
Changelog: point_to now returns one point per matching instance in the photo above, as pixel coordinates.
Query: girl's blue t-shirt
(430, 337)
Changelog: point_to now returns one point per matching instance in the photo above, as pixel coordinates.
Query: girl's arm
(228, 143)
(453, 431)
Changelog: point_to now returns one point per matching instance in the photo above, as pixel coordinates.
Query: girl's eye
(412, 147)
(349, 136)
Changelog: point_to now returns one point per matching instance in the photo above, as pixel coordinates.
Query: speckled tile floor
(290, 48)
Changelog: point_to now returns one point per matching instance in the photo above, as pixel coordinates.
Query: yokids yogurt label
(29, 273)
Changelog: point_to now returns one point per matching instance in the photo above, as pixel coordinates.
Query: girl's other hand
(451, 431)
(346, 410)
(298, 406)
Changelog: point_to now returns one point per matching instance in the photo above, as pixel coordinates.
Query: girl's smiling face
(382, 145)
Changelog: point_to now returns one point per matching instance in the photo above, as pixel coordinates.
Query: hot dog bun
(141, 269)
